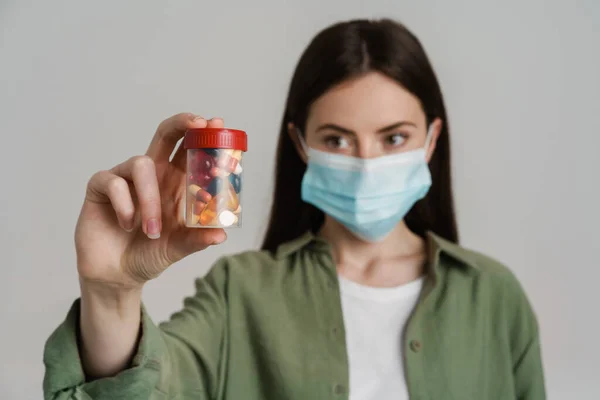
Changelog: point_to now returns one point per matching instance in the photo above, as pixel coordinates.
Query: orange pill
(208, 217)
(199, 207)
(203, 195)
(219, 210)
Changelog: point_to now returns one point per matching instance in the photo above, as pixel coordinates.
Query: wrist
(112, 298)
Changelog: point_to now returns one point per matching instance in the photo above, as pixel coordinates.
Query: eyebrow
(388, 128)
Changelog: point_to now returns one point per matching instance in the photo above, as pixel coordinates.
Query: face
(367, 117)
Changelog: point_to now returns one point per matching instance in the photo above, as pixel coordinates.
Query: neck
(348, 249)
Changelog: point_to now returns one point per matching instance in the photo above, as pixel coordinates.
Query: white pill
(227, 218)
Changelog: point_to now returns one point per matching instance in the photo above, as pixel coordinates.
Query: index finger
(168, 134)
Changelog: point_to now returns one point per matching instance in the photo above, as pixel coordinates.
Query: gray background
(83, 85)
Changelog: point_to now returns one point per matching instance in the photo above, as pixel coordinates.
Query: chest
(299, 343)
(304, 347)
(373, 327)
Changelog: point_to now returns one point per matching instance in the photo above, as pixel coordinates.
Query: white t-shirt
(374, 320)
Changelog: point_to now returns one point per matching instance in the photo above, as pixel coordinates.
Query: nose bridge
(367, 146)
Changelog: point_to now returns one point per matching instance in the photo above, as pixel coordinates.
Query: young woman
(360, 290)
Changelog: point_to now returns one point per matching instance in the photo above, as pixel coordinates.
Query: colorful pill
(203, 195)
(232, 200)
(236, 182)
(202, 160)
(227, 162)
(199, 207)
(237, 154)
(209, 214)
(200, 166)
(227, 218)
(201, 179)
(215, 186)
(193, 190)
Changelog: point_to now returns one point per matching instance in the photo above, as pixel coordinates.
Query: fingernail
(153, 229)
(128, 226)
(197, 118)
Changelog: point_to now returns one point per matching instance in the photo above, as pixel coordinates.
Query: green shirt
(270, 326)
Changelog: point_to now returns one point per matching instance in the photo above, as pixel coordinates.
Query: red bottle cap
(215, 138)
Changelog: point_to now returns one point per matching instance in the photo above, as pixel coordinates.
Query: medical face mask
(369, 196)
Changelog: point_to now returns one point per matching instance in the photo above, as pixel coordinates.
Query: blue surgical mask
(369, 196)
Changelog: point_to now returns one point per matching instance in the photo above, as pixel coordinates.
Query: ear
(436, 127)
(293, 131)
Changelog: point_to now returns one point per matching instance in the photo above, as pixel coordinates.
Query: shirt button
(415, 345)
(338, 389)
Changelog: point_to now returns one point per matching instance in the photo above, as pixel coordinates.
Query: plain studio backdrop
(83, 86)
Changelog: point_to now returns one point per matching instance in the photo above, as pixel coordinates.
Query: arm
(525, 345)
(109, 323)
(180, 356)
(528, 372)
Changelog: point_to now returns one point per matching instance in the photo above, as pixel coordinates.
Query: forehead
(366, 103)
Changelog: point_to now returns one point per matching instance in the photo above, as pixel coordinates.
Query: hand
(131, 226)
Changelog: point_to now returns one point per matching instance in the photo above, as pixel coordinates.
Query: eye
(335, 142)
(395, 139)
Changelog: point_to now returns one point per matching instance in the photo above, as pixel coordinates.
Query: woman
(360, 290)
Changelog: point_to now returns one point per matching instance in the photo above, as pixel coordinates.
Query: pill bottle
(214, 177)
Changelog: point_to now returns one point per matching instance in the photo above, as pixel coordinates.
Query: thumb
(195, 240)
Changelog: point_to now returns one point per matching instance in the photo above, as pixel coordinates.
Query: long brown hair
(340, 52)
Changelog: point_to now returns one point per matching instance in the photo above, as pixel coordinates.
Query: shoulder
(485, 268)
(496, 284)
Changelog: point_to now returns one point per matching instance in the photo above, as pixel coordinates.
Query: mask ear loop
(428, 138)
(302, 141)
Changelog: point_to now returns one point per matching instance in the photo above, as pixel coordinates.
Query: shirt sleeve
(525, 345)
(180, 357)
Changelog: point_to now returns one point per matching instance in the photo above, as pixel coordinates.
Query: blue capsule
(236, 182)
(215, 186)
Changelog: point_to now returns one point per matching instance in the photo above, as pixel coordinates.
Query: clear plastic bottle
(214, 177)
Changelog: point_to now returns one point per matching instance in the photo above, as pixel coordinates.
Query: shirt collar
(436, 247)
(291, 247)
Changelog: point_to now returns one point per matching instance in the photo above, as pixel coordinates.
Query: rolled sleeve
(180, 357)
(65, 378)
